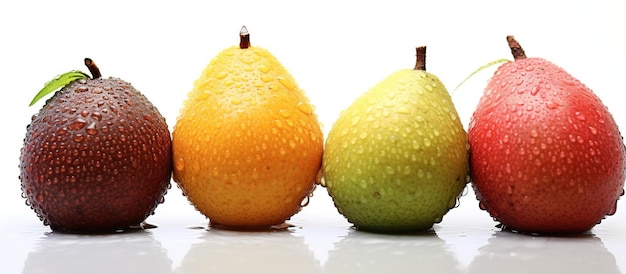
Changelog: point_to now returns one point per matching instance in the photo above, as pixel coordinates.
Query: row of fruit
(542, 152)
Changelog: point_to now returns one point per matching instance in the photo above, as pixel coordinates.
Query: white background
(335, 50)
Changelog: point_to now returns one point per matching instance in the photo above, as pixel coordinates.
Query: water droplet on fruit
(534, 134)
(82, 89)
(535, 90)
(452, 203)
(304, 107)
(228, 82)
(482, 206)
(221, 75)
(305, 201)
(355, 120)
(389, 170)
(78, 138)
(263, 68)
(322, 179)
(406, 170)
(552, 105)
(39, 197)
(403, 110)
(286, 82)
(77, 124)
(415, 144)
(283, 113)
(179, 164)
(580, 116)
(426, 142)
(96, 115)
(612, 210)
(91, 129)
(572, 138)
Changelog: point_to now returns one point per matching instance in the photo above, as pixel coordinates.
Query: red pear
(546, 155)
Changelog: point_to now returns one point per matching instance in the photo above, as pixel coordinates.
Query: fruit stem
(420, 58)
(95, 71)
(244, 38)
(516, 49)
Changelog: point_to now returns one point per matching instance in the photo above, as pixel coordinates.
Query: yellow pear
(247, 145)
(397, 158)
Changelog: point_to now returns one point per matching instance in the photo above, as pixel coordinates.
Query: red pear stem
(244, 38)
(420, 58)
(516, 49)
(95, 71)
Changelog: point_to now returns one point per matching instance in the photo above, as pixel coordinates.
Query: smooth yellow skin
(397, 158)
(247, 145)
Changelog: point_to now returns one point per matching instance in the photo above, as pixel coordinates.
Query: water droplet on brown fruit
(98, 184)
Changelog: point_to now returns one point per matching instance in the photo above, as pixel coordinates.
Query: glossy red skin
(80, 180)
(546, 155)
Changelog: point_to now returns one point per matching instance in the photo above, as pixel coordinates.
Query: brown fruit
(96, 158)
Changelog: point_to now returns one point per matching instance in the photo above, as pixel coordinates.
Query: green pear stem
(244, 38)
(95, 71)
(516, 49)
(420, 58)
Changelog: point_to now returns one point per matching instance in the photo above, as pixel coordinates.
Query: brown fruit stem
(420, 58)
(95, 71)
(516, 49)
(244, 38)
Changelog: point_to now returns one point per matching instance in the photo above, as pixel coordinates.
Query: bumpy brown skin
(96, 158)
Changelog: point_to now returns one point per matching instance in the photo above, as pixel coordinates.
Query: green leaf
(59, 82)
(499, 61)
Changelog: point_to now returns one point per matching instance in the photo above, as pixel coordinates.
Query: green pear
(396, 160)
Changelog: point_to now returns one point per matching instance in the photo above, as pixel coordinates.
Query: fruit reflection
(519, 253)
(363, 252)
(130, 252)
(226, 251)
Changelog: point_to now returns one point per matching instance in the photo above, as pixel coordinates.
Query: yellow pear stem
(516, 49)
(420, 58)
(244, 38)
(95, 71)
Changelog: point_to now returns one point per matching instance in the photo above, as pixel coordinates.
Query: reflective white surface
(320, 241)
(336, 50)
